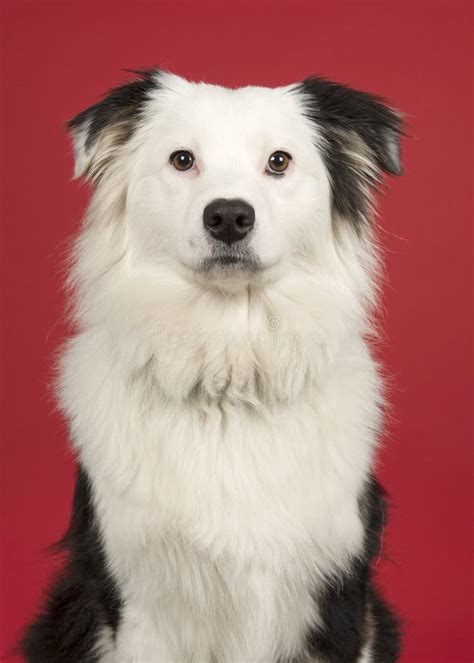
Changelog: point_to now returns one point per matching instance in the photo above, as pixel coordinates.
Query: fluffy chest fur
(226, 468)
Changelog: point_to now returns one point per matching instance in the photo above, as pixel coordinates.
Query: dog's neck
(251, 346)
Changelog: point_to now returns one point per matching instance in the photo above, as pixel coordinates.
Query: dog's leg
(366, 654)
(384, 638)
(141, 640)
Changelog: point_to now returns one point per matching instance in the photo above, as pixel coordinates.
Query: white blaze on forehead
(229, 121)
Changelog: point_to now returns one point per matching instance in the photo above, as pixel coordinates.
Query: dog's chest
(233, 480)
(224, 530)
(219, 522)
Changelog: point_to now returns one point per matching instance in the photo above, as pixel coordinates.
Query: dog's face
(226, 179)
(222, 181)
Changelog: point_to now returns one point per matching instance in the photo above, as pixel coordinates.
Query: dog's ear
(100, 130)
(359, 139)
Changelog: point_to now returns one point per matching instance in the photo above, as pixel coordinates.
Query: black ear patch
(118, 113)
(360, 140)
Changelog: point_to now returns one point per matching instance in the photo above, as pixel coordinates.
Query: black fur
(340, 113)
(121, 108)
(84, 598)
(350, 607)
(387, 638)
(122, 104)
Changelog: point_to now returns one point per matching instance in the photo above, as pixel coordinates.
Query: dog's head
(242, 182)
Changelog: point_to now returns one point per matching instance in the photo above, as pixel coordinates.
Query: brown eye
(182, 160)
(278, 162)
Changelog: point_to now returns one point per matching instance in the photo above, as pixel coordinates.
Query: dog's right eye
(182, 159)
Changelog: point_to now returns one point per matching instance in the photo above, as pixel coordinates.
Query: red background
(59, 58)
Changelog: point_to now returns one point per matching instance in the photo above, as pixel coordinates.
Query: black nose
(228, 220)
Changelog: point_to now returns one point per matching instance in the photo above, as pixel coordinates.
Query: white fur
(227, 422)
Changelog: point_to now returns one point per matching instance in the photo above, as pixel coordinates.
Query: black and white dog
(222, 400)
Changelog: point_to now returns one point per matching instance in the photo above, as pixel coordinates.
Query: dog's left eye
(182, 159)
(278, 162)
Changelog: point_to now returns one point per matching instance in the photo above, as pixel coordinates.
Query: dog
(219, 387)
